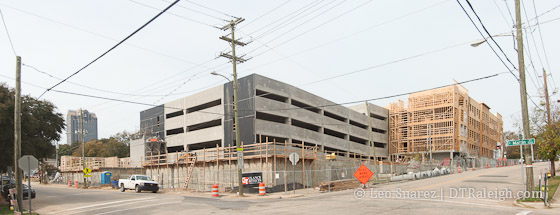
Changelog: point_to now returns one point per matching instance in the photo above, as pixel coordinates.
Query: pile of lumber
(340, 185)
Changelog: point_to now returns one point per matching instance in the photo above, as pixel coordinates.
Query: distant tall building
(74, 126)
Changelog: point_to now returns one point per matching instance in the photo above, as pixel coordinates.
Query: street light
(218, 74)
(476, 44)
(236, 124)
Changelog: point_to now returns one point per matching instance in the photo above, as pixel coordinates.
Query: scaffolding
(71, 164)
(443, 120)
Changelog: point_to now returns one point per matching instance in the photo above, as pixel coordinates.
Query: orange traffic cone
(459, 167)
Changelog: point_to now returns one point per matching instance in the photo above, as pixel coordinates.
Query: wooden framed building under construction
(444, 121)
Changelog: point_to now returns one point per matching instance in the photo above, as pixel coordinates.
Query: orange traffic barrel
(70, 183)
(215, 190)
(76, 184)
(262, 189)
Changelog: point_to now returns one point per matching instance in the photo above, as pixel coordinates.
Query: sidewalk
(230, 195)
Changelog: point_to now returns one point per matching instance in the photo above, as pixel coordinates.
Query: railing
(251, 151)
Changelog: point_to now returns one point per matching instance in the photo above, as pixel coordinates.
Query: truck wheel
(138, 189)
(122, 187)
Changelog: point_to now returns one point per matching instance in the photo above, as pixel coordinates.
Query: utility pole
(372, 144)
(56, 147)
(17, 134)
(430, 142)
(525, 112)
(552, 165)
(83, 147)
(234, 60)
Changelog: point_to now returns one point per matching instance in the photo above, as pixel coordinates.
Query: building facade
(74, 126)
(446, 122)
(274, 111)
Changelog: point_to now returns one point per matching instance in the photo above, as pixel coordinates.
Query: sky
(343, 51)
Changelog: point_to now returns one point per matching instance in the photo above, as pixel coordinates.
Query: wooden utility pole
(372, 144)
(552, 166)
(524, 110)
(17, 134)
(234, 59)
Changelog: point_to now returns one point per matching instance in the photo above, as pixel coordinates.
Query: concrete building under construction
(446, 122)
(269, 110)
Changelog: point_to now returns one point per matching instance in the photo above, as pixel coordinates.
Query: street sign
(240, 162)
(28, 163)
(294, 158)
(521, 142)
(363, 174)
(87, 171)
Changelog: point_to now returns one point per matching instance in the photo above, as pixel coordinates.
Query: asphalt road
(439, 195)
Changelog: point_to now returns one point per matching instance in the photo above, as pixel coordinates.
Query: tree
(125, 137)
(513, 152)
(41, 125)
(547, 133)
(106, 147)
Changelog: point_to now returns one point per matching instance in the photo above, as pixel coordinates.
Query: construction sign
(363, 174)
(87, 172)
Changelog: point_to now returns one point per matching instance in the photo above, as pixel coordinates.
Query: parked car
(6, 190)
(138, 183)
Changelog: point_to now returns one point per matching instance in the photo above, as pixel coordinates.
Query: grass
(4, 210)
(553, 184)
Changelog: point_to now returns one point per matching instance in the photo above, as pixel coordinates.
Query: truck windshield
(142, 177)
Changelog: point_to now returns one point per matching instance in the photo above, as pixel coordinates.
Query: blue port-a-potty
(106, 177)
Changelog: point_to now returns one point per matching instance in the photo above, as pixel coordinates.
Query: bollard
(262, 189)
(76, 184)
(70, 183)
(215, 190)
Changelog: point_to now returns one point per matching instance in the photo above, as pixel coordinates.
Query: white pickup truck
(139, 183)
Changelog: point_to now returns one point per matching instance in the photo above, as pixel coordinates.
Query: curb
(515, 203)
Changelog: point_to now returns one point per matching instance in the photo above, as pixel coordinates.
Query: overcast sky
(381, 48)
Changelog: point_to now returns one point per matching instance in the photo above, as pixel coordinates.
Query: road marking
(466, 203)
(523, 213)
(101, 204)
(111, 206)
(450, 181)
(165, 203)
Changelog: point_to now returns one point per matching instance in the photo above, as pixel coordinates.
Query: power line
(486, 30)
(88, 87)
(266, 13)
(8, 33)
(96, 34)
(481, 34)
(548, 11)
(287, 22)
(183, 17)
(385, 64)
(540, 35)
(115, 46)
(196, 11)
(384, 97)
(349, 35)
(320, 25)
(312, 4)
(212, 9)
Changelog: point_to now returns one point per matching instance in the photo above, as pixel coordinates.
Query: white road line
(523, 213)
(110, 206)
(101, 204)
(466, 203)
(165, 203)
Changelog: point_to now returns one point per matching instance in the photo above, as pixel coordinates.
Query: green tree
(41, 125)
(125, 137)
(106, 147)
